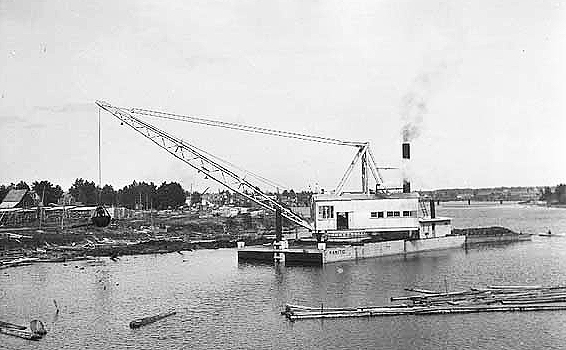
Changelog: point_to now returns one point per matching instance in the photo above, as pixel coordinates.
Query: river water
(225, 305)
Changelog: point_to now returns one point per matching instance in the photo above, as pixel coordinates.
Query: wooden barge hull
(350, 252)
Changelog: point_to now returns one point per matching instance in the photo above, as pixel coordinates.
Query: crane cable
(211, 123)
(254, 175)
(255, 129)
(243, 127)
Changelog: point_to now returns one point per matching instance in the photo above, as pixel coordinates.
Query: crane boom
(363, 153)
(201, 162)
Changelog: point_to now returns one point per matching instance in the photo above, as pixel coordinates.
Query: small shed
(19, 199)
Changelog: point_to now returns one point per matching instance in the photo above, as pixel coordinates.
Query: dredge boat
(373, 222)
(351, 226)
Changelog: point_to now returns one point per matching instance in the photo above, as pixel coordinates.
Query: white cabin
(356, 215)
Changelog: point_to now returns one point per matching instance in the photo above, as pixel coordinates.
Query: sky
(479, 84)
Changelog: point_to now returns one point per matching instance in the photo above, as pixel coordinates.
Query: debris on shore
(489, 299)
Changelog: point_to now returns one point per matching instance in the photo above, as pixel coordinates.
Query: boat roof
(362, 196)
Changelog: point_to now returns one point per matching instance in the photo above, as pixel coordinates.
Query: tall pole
(41, 207)
(364, 173)
(99, 163)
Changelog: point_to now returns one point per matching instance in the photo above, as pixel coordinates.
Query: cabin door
(342, 221)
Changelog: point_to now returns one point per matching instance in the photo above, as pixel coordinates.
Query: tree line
(558, 196)
(141, 195)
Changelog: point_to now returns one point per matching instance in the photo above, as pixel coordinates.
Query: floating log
(424, 291)
(4, 324)
(514, 287)
(147, 320)
(300, 308)
(409, 297)
(20, 333)
(491, 299)
(427, 311)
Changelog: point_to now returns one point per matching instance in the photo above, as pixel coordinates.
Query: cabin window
(389, 214)
(373, 215)
(326, 212)
(379, 214)
(396, 214)
(407, 213)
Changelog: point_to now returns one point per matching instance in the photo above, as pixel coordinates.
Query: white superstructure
(361, 215)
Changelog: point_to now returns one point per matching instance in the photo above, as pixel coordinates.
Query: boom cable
(243, 127)
(254, 175)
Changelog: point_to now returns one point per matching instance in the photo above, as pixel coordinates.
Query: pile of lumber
(428, 302)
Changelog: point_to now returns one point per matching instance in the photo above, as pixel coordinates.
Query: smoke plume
(414, 105)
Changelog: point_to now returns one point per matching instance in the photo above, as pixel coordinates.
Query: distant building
(19, 199)
(67, 199)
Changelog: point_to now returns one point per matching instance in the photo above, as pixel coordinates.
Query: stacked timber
(427, 302)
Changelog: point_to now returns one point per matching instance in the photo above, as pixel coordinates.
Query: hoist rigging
(100, 217)
(222, 171)
(364, 151)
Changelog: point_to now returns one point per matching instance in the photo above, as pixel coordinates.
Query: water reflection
(225, 304)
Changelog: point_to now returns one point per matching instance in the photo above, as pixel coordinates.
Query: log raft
(491, 299)
(147, 320)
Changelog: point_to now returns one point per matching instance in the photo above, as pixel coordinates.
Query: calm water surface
(225, 305)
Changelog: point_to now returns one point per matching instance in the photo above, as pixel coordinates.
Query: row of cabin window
(393, 214)
(327, 212)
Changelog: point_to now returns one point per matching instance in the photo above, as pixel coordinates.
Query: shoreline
(53, 247)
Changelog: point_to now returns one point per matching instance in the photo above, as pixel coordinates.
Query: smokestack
(278, 225)
(406, 186)
(406, 156)
(406, 150)
(432, 209)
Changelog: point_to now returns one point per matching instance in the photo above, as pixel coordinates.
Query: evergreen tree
(560, 193)
(170, 196)
(47, 192)
(84, 191)
(108, 195)
(3, 192)
(22, 185)
(138, 194)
